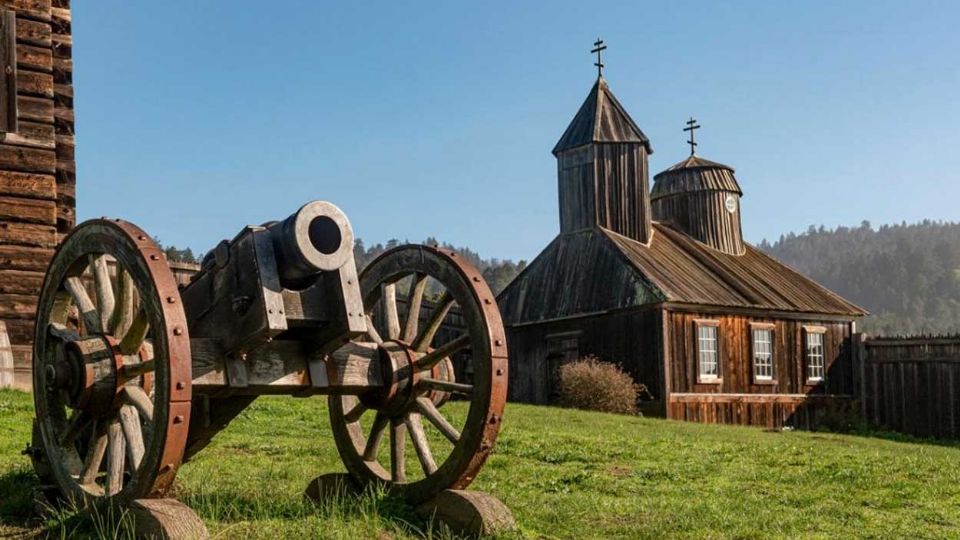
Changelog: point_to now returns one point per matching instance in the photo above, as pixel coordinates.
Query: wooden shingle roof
(597, 270)
(686, 271)
(601, 119)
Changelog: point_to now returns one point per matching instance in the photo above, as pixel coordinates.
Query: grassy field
(565, 474)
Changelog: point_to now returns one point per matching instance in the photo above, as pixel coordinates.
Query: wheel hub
(90, 373)
(401, 375)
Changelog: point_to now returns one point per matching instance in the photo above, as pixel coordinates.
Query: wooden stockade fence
(911, 385)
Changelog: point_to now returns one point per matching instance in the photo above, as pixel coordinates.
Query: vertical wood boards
(607, 185)
(627, 338)
(704, 216)
(909, 385)
(736, 372)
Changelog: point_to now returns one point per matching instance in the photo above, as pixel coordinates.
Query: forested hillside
(907, 276)
(497, 272)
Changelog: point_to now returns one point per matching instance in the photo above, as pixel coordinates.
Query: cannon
(133, 374)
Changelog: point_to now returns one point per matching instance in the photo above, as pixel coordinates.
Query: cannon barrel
(316, 238)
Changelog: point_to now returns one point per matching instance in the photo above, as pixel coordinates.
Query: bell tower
(701, 198)
(602, 170)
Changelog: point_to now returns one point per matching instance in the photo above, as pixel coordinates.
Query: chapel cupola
(603, 177)
(701, 198)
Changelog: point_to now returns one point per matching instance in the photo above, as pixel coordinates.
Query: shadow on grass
(17, 489)
(373, 505)
(903, 437)
(22, 517)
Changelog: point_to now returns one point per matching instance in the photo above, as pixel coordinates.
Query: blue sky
(195, 118)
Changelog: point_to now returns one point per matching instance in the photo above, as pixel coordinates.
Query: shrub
(594, 385)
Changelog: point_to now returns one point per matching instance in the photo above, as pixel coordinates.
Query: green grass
(565, 474)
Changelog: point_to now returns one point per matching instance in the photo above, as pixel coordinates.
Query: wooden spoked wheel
(111, 370)
(419, 376)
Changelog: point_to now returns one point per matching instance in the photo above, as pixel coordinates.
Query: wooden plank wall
(770, 411)
(704, 216)
(738, 399)
(912, 385)
(37, 179)
(735, 356)
(627, 338)
(605, 184)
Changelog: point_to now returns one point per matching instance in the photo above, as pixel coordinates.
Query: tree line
(906, 275)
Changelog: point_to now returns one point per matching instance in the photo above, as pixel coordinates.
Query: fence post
(858, 344)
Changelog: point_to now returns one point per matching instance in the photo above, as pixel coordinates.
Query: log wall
(912, 385)
(37, 172)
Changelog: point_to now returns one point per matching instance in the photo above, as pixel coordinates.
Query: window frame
(808, 357)
(755, 379)
(708, 323)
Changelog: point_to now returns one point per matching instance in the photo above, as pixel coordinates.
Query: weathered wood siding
(912, 385)
(737, 397)
(37, 172)
(704, 216)
(606, 185)
(628, 338)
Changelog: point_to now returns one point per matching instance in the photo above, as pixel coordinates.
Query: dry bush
(594, 385)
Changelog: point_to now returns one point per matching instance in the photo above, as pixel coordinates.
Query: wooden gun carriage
(133, 375)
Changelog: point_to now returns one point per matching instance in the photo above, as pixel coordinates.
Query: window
(762, 345)
(708, 357)
(814, 353)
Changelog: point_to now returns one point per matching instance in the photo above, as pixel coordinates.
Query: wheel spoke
(390, 309)
(130, 421)
(376, 435)
(116, 451)
(445, 386)
(397, 442)
(122, 316)
(133, 339)
(355, 413)
(414, 300)
(139, 399)
(419, 440)
(132, 371)
(62, 333)
(425, 338)
(427, 408)
(94, 458)
(103, 289)
(372, 331)
(448, 349)
(88, 312)
(78, 421)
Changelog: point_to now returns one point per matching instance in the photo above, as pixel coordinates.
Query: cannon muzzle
(316, 238)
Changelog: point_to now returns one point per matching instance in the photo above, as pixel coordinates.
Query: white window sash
(815, 356)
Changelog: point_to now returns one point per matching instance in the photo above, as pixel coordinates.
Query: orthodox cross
(598, 46)
(691, 126)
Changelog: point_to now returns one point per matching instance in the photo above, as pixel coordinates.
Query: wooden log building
(37, 171)
(663, 284)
